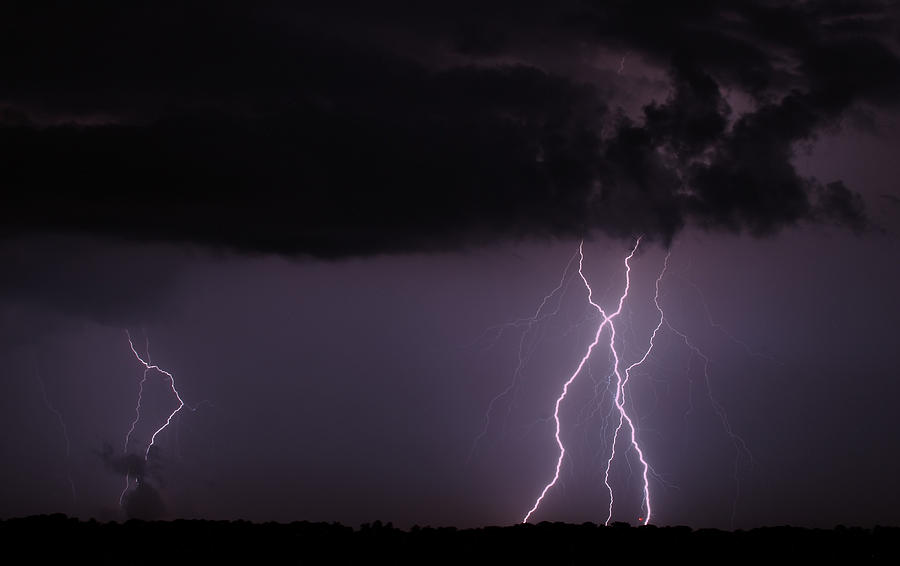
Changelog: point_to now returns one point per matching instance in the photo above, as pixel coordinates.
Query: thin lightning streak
(62, 426)
(528, 322)
(598, 385)
(607, 319)
(529, 325)
(719, 409)
(713, 324)
(740, 445)
(147, 346)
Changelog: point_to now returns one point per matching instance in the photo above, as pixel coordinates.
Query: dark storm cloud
(349, 130)
(839, 203)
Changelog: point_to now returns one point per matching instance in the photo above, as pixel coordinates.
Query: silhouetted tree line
(58, 539)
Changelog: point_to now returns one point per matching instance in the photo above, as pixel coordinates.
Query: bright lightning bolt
(620, 403)
(148, 367)
(619, 378)
(607, 319)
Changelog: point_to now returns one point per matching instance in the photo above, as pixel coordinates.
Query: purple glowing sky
(351, 391)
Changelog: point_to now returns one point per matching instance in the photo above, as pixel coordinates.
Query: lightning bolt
(62, 426)
(740, 446)
(621, 382)
(607, 320)
(148, 367)
(625, 427)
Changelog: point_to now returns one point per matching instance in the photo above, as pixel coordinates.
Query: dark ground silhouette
(56, 539)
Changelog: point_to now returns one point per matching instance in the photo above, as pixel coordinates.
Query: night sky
(331, 222)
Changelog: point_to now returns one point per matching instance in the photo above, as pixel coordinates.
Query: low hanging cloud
(302, 131)
(51, 282)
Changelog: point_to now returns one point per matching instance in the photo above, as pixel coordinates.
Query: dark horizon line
(388, 525)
